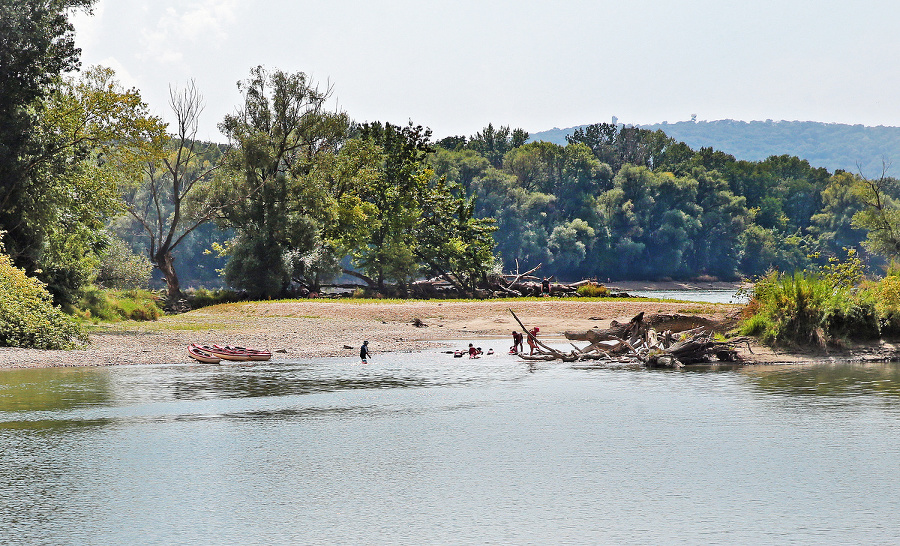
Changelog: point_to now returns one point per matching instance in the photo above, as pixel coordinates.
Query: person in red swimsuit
(532, 338)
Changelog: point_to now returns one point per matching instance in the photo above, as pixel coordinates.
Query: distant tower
(615, 120)
(694, 118)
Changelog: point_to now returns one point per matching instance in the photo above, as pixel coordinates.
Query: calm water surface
(427, 449)
(707, 296)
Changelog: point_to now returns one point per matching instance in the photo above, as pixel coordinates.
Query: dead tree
(637, 342)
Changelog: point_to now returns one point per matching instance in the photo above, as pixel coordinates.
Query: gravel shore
(315, 328)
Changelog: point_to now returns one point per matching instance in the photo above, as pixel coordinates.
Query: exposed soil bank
(316, 328)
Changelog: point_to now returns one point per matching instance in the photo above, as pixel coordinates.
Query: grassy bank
(822, 309)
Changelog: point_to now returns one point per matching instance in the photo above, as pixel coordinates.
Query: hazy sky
(455, 66)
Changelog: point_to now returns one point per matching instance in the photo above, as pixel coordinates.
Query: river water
(707, 296)
(426, 449)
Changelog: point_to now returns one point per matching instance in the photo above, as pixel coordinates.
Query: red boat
(222, 353)
(200, 355)
(253, 354)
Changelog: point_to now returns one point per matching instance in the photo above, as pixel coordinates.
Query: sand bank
(318, 328)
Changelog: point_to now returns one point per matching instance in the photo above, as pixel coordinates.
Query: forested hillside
(833, 146)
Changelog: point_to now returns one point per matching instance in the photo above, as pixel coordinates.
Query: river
(706, 296)
(426, 449)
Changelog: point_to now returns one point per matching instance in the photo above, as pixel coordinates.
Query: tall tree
(494, 143)
(279, 135)
(169, 202)
(880, 215)
(89, 131)
(397, 195)
(36, 49)
(451, 241)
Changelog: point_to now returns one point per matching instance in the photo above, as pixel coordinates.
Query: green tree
(90, 131)
(265, 192)
(451, 241)
(122, 269)
(37, 48)
(397, 196)
(833, 224)
(493, 144)
(880, 214)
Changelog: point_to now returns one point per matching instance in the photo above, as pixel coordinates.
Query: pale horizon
(457, 66)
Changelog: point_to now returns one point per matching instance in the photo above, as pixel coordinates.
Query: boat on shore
(201, 355)
(253, 354)
(223, 354)
(229, 352)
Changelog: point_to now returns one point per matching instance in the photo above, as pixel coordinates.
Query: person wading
(364, 353)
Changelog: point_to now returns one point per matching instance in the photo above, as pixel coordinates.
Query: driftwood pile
(514, 285)
(639, 342)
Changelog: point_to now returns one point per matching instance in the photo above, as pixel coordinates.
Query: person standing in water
(518, 346)
(364, 352)
(532, 339)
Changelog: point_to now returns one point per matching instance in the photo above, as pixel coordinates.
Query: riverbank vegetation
(96, 192)
(834, 306)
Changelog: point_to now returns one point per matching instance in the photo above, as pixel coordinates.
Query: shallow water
(706, 296)
(423, 448)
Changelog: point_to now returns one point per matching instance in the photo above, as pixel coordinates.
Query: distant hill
(830, 145)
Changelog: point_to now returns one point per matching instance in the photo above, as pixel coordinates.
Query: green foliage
(203, 297)
(879, 215)
(592, 290)
(270, 189)
(117, 305)
(122, 269)
(788, 308)
(834, 146)
(810, 309)
(85, 136)
(886, 296)
(493, 144)
(28, 317)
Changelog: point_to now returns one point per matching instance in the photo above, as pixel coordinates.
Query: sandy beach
(319, 328)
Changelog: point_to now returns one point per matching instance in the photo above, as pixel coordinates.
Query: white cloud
(183, 28)
(88, 26)
(122, 74)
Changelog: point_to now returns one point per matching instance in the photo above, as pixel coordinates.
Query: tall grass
(114, 305)
(806, 308)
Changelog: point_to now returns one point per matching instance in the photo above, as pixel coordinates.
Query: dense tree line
(629, 203)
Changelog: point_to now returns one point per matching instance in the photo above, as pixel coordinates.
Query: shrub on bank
(116, 305)
(28, 317)
(592, 290)
(810, 309)
(202, 297)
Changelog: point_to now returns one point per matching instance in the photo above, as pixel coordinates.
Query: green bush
(116, 305)
(592, 290)
(788, 308)
(203, 297)
(851, 316)
(28, 317)
(810, 309)
(122, 269)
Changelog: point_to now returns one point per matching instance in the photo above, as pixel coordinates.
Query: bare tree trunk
(166, 265)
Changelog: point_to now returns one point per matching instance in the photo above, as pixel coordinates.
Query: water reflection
(838, 380)
(52, 389)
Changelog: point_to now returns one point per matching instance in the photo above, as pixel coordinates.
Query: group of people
(518, 341)
(475, 352)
